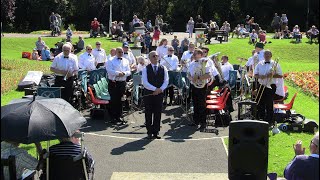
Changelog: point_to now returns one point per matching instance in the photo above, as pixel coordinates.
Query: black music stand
(249, 108)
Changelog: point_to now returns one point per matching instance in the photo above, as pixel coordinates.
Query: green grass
(31, 148)
(281, 150)
(293, 57)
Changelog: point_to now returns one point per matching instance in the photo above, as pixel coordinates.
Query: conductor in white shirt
(86, 60)
(170, 61)
(155, 80)
(118, 70)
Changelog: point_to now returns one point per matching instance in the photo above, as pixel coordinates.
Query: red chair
(218, 107)
(219, 95)
(286, 107)
(218, 100)
(98, 102)
(280, 101)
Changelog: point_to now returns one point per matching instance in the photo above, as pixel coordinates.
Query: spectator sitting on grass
(262, 37)
(243, 31)
(313, 33)
(45, 54)
(286, 33)
(69, 34)
(79, 46)
(236, 31)
(40, 45)
(35, 55)
(253, 37)
(304, 167)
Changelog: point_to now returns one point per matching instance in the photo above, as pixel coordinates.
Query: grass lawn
(293, 57)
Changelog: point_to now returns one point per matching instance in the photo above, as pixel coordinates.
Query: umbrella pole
(83, 160)
(48, 145)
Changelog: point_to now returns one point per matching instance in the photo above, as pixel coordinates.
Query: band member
(259, 51)
(250, 62)
(162, 49)
(199, 94)
(99, 54)
(129, 56)
(65, 66)
(279, 94)
(118, 70)
(142, 63)
(266, 77)
(226, 67)
(86, 60)
(171, 62)
(186, 57)
(155, 80)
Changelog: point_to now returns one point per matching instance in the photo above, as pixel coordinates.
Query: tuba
(217, 64)
(200, 70)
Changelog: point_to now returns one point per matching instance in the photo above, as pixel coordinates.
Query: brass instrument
(262, 87)
(200, 70)
(217, 64)
(65, 77)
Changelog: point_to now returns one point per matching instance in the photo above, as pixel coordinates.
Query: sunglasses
(89, 49)
(205, 52)
(155, 56)
(120, 52)
(98, 44)
(171, 50)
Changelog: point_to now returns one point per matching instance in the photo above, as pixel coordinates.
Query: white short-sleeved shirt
(196, 69)
(280, 87)
(69, 63)
(130, 57)
(115, 66)
(186, 55)
(253, 36)
(225, 68)
(87, 61)
(99, 55)
(263, 69)
(210, 63)
(171, 63)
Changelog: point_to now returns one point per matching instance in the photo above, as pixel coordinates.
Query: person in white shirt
(118, 70)
(65, 67)
(250, 62)
(129, 56)
(142, 63)
(296, 33)
(170, 61)
(87, 60)
(99, 55)
(198, 94)
(155, 80)
(279, 94)
(162, 49)
(253, 36)
(135, 21)
(225, 67)
(186, 57)
(111, 55)
(266, 79)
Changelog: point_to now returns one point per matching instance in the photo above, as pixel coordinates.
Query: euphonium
(200, 70)
(217, 64)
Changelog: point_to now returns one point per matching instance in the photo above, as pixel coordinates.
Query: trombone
(262, 87)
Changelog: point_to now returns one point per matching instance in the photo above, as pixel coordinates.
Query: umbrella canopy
(40, 119)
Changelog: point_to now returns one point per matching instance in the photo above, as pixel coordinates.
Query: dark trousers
(67, 91)
(153, 109)
(265, 106)
(169, 91)
(116, 90)
(99, 64)
(199, 104)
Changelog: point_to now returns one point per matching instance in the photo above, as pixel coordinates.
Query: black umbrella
(40, 119)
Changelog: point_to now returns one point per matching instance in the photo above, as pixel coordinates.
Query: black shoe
(164, 103)
(156, 136)
(149, 136)
(202, 127)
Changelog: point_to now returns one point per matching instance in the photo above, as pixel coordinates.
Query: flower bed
(307, 81)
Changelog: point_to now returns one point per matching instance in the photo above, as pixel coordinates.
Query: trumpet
(65, 77)
(261, 88)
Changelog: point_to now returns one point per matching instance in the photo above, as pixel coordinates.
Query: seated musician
(65, 66)
(196, 73)
(87, 60)
(225, 67)
(142, 63)
(170, 61)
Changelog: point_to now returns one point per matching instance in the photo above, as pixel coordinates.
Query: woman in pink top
(262, 37)
(156, 35)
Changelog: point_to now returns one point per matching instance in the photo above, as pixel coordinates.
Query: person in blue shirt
(45, 54)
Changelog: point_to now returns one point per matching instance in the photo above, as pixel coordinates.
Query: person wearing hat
(259, 51)
(99, 55)
(266, 72)
(303, 166)
(129, 56)
(313, 33)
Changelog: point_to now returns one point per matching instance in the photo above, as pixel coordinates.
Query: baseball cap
(125, 44)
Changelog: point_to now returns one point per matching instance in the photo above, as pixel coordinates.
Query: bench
(222, 35)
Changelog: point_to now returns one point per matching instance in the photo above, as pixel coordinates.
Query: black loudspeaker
(248, 150)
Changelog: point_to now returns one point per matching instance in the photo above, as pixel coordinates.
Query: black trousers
(265, 106)
(199, 104)
(153, 109)
(99, 64)
(169, 91)
(67, 91)
(116, 90)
